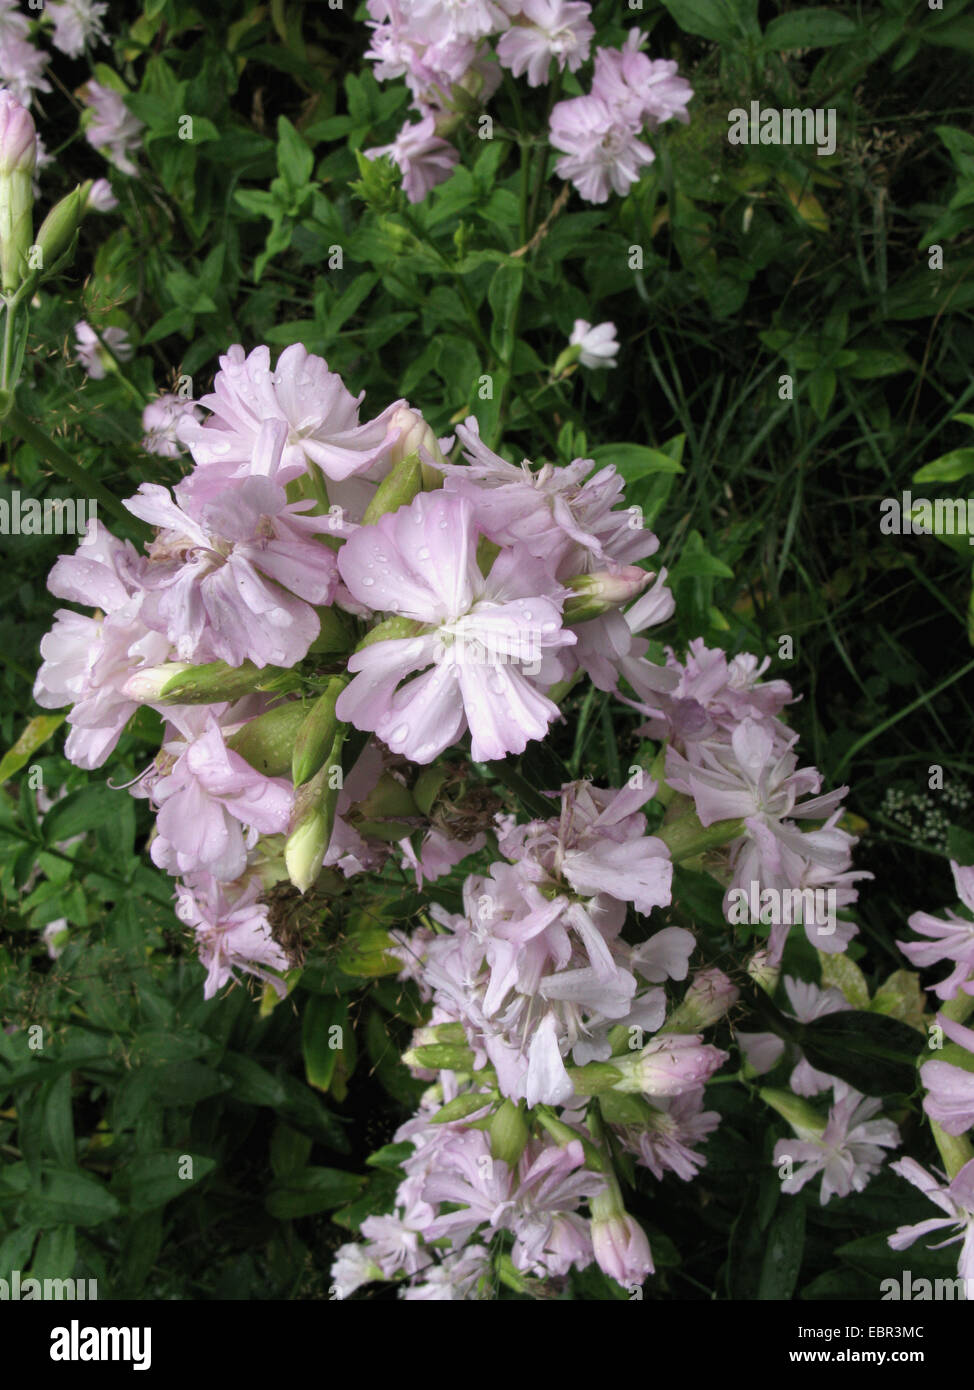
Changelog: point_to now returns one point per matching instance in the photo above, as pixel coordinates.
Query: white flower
(599, 345)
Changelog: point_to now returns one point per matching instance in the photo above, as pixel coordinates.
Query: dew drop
(401, 731)
(423, 552)
(367, 580)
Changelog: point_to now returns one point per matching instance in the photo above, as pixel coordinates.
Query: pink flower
(487, 644)
(621, 1248)
(76, 24)
(950, 1098)
(13, 23)
(951, 939)
(321, 417)
(232, 928)
(641, 90)
(677, 1124)
(956, 1199)
(542, 30)
(424, 157)
(21, 65)
(18, 138)
(87, 661)
(847, 1153)
(100, 197)
(160, 420)
(212, 804)
(563, 516)
(92, 356)
(598, 345)
(601, 152)
(112, 127)
(237, 576)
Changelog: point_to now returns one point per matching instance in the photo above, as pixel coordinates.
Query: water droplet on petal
(367, 580)
(400, 732)
(423, 552)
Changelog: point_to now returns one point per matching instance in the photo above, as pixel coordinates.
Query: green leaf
(58, 1121)
(68, 1198)
(711, 19)
(253, 1083)
(313, 1190)
(785, 1245)
(871, 363)
(809, 28)
(36, 733)
(949, 468)
(504, 297)
(294, 158)
(320, 1015)
(821, 389)
(82, 810)
(151, 1180)
(875, 1054)
(635, 461)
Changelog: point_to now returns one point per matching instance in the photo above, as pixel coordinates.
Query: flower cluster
(443, 52)
(733, 756)
(948, 1077)
(536, 1001)
(299, 583)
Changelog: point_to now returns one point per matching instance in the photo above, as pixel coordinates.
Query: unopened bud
(762, 972)
(18, 154)
(619, 1243)
(508, 1133)
(267, 742)
(612, 587)
(566, 359)
(316, 734)
(177, 683)
(440, 1057)
(668, 1066)
(415, 437)
(708, 999)
(312, 821)
(803, 1118)
(396, 490)
(686, 837)
(59, 226)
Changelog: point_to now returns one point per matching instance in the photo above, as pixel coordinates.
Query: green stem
(18, 424)
(894, 719)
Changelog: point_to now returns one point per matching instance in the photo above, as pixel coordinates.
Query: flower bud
(415, 437)
(312, 822)
(177, 683)
(686, 837)
(619, 1242)
(267, 742)
(762, 972)
(598, 592)
(439, 1057)
(18, 153)
(668, 1066)
(566, 359)
(803, 1118)
(508, 1133)
(388, 812)
(708, 999)
(59, 226)
(397, 490)
(18, 138)
(316, 734)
